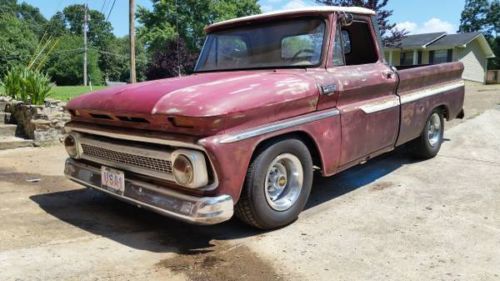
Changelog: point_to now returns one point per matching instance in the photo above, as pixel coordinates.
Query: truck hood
(208, 95)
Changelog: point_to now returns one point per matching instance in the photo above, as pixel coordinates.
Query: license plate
(113, 179)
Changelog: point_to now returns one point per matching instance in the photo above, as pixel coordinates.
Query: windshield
(287, 43)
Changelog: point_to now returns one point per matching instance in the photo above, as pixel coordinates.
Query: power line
(115, 54)
(103, 5)
(111, 10)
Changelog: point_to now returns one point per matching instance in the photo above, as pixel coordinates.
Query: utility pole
(85, 47)
(133, 78)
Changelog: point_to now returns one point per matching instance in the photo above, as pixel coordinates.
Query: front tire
(277, 185)
(427, 146)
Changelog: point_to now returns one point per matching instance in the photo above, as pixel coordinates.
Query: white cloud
(436, 25)
(408, 26)
(432, 25)
(295, 4)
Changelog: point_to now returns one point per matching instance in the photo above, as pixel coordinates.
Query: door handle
(328, 90)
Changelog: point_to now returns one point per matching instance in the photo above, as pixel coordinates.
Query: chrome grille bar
(145, 161)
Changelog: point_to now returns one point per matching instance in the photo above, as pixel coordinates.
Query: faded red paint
(228, 102)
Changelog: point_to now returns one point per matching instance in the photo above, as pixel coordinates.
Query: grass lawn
(66, 93)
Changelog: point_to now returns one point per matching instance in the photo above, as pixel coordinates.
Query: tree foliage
(100, 33)
(482, 16)
(186, 19)
(166, 63)
(475, 16)
(391, 36)
(174, 23)
(120, 70)
(26, 13)
(65, 64)
(15, 49)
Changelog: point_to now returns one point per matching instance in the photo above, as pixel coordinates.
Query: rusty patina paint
(224, 103)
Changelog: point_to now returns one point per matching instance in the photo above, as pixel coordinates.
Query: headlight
(72, 146)
(189, 168)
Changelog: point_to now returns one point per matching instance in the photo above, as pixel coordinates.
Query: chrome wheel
(434, 128)
(284, 180)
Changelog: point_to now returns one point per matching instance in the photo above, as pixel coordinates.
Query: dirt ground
(391, 219)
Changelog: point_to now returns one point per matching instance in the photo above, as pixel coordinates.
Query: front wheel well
(446, 112)
(302, 136)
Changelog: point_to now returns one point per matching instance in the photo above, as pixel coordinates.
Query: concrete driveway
(391, 219)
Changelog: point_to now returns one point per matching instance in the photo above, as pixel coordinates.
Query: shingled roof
(456, 39)
(421, 40)
(441, 40)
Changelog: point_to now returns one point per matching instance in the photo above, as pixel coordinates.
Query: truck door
(366, 88)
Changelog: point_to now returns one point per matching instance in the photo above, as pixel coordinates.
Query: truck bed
(423, 88)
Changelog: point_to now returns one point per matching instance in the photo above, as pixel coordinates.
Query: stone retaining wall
(43, 124)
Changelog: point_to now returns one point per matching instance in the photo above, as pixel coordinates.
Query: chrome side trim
(138, 138)
(197, 210)
(431, 91)
(280, 125)
(380, 105)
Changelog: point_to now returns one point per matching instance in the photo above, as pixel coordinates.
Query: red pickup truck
(273, 98)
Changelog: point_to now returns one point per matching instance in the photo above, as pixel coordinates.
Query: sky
(422, 16)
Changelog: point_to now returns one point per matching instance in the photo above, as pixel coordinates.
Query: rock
(42, 123)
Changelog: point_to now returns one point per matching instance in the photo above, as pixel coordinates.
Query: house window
(407, 58)
(441, 56)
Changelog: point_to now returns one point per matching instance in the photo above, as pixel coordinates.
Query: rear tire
(277, 185)
(428, 144)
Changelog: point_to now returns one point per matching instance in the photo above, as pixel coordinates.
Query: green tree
(66, 62)
(100, 33)
(120, 70)
(474, 16)
(481, 16)
(494, 17)
(15, 49)
(186, 20)
(56, 26)
(494, 21)
(30, 15)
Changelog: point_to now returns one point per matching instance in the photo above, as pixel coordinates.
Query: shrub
(13, 83)
(37, 87)
(27, 85)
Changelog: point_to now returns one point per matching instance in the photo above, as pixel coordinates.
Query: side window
(359, 44)
(338, 50)
(346, 38)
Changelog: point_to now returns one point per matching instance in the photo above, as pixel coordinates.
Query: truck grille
(158, 165)
(140, 158)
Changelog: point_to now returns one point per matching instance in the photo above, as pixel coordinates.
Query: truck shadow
(140, 229)
(326, 189)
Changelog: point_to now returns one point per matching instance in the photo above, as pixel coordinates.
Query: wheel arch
(445, 110)
(303, 136)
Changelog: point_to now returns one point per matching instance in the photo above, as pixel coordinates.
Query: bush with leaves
(27, 85)
(13, 83)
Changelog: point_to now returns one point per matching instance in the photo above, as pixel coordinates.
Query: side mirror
(346, 19)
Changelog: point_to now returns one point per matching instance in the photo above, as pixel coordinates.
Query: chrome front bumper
(196, 210)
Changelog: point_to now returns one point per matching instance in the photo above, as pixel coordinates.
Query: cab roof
(292, 12)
